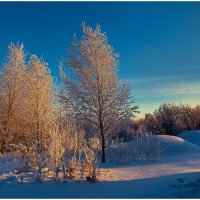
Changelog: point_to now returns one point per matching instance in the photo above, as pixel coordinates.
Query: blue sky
(158, 42)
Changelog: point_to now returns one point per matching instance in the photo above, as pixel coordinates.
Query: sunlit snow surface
(175, 174)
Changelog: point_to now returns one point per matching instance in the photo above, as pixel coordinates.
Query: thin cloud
(161, 78)
(169, 89)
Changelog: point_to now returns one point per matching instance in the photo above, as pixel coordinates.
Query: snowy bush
(90, 160)
(71, 154)
(145, 147)
(117, 151)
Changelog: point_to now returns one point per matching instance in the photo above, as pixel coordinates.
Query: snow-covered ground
(174, 174)
(172, 186)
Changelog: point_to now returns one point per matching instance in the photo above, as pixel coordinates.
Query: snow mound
(156, 146)
(191, 136)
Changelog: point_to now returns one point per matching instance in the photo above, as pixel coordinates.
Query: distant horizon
(158, 42)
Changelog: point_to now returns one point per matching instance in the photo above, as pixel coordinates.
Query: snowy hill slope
(167, 145)
(191, 136)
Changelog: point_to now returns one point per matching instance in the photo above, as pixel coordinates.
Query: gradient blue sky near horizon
(158, 42)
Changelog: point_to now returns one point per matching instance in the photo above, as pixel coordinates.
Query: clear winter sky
(158, 42)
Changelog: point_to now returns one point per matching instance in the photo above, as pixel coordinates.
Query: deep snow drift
(175, 173)
(151, 147)
(191, 136)
(167, 145)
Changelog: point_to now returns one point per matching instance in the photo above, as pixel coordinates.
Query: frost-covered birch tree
(38, 108)
(11, 94)
(91, 87)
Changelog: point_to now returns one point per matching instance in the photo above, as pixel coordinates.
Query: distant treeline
(169, 119)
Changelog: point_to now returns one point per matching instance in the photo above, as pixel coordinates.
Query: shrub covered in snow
(145, 147)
